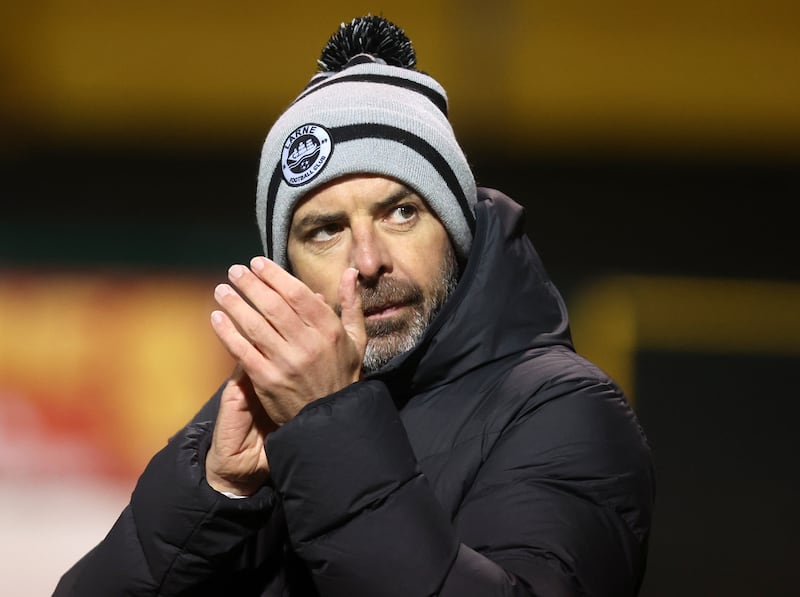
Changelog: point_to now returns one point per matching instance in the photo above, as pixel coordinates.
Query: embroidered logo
(305, 153)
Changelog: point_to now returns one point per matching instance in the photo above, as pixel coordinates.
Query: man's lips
(380, 311)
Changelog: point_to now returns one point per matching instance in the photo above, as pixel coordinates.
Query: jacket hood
(504, 303)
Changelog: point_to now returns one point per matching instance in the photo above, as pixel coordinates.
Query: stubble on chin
(390, 337)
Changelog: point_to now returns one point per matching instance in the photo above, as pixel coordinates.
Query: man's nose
(370, 255)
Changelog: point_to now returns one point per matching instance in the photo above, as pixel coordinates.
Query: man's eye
(403, 213)
(326, 233)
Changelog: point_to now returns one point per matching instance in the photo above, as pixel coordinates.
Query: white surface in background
(46, 525)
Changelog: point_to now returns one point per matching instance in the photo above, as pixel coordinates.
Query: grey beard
(386, 340)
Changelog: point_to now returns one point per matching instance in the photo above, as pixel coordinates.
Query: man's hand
(236, 462)
(290, 344)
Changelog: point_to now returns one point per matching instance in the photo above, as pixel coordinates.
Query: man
(408, 416)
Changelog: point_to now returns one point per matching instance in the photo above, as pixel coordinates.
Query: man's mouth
(385, 303)
(383, 311)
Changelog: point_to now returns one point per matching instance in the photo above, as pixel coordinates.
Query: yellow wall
(107, 366)
(710, 74)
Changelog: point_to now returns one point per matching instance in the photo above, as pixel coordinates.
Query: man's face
(406, 264)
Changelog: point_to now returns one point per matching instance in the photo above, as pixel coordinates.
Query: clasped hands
(290, 348)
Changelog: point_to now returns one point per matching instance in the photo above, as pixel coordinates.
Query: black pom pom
(367, 35)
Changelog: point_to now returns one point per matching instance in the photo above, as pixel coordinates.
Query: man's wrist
(233, 496)
(234, 489)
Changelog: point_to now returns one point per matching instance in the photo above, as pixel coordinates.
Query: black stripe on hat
(354, 132)
(434, 96)
(272, 192)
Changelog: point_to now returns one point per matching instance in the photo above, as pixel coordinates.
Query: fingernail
(235, 272)
(216, 317)
(222, 290)
(257, 263)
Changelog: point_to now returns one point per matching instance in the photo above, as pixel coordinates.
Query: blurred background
(655, 145)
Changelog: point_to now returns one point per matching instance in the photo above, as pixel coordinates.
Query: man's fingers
(237, 345)
(262, 295)
(304, 303)
(352, 315)
(249, 320)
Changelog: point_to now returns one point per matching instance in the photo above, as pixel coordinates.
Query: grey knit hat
(367, 111)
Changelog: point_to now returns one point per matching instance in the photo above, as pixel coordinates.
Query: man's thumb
(352, 315)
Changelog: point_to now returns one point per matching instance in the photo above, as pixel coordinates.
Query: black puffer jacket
(490, 460)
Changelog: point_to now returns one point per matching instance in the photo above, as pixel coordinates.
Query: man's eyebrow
(395, 197)
(317, 220)
(322, 219)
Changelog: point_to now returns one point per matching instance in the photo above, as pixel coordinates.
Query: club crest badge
(305, 153)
